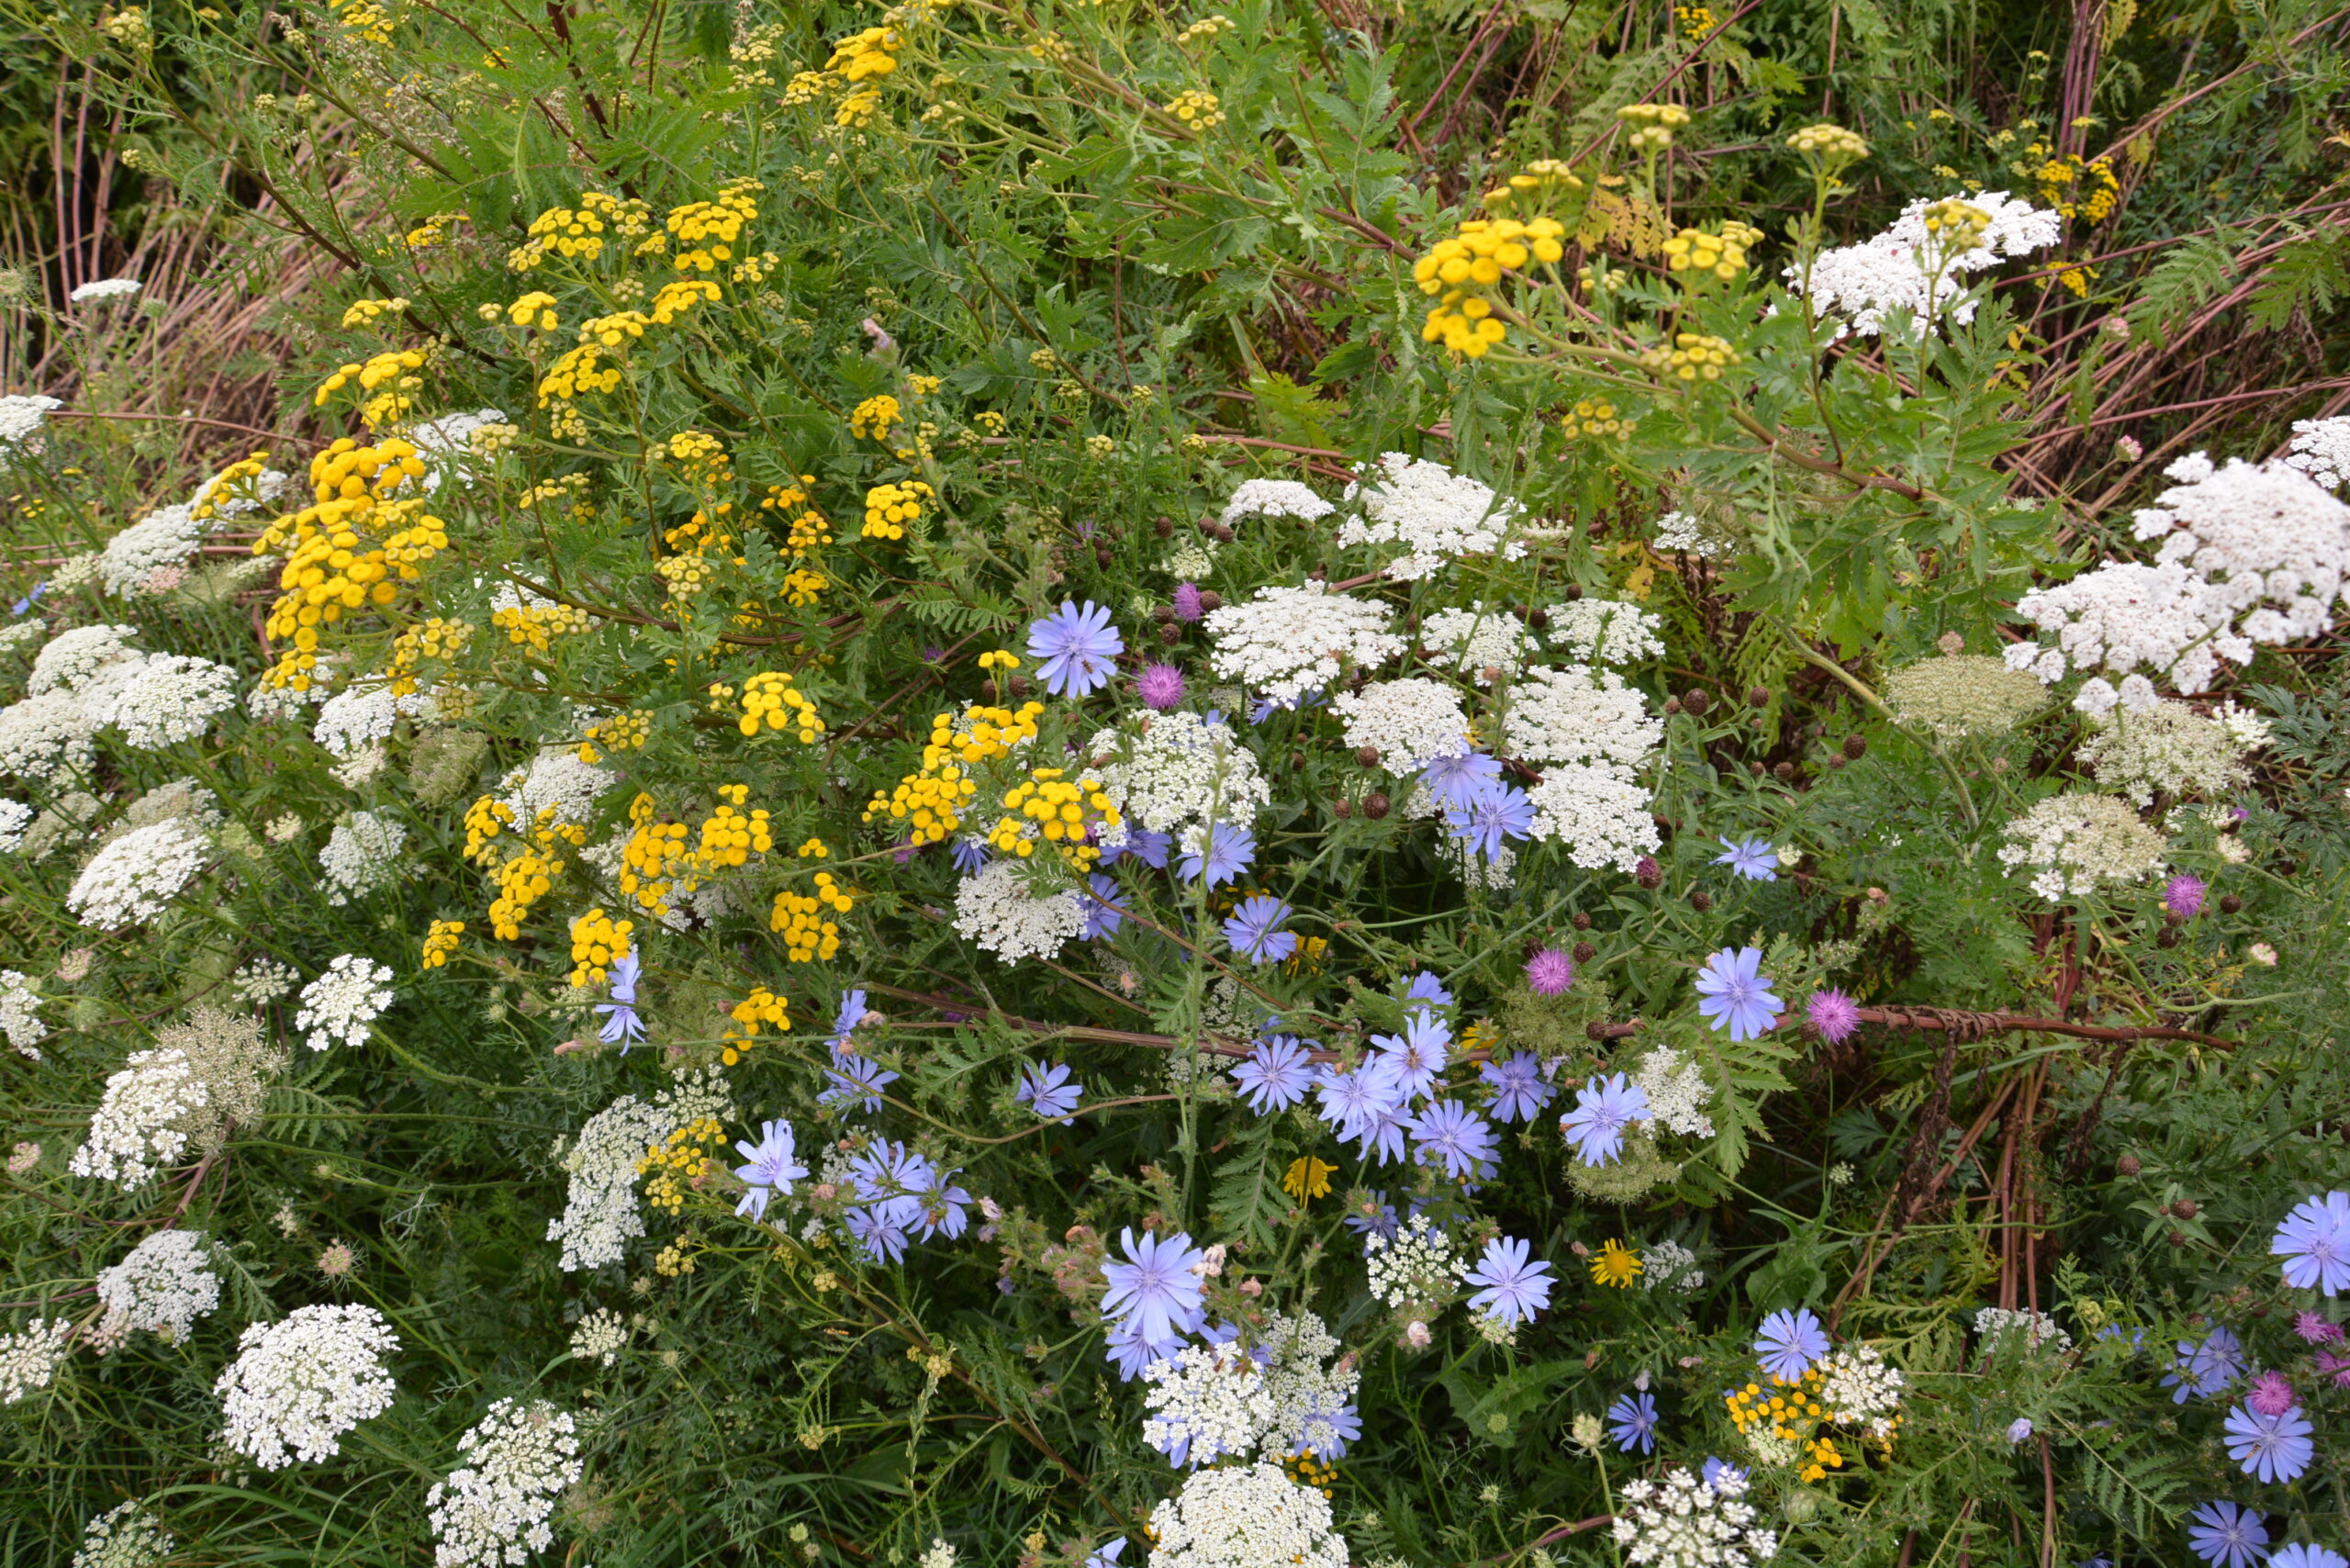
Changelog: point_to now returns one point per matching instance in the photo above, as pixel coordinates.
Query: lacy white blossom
(1247, 1516)
(1577, 716)
(351, 720)
(2079, 843)
(47, 737)
(129, 1536)
(142, 1121)
(996, 909)
(162, 699)
(1677, 1090)
(494, 1511)
(14, 817)
(341, 1004)
(297, 1386)
(1993, 1323)
(1598, 812)
(1604, 631)
(1275, 498)
(29, 1358)
(20, 1013)
(1906, 268)
(601, 1336)
(134, 877)
(165, 537)
(1286, 641)
(1180, 771)
(2320, 449)
(163, 1285)
(1436, 514)
(600, 1214)
(262, 981)
(1684, 1521)
(362, 855)
(1480, 638)
(448, 445)
(1963, 696)
(1309, 1383)
(1858, 1389)
(1206, 1403)
(2120, 615)
(72, 658)
(20, 420)
(2170, 749)
(1409, 723)
(1419, 1267)
(1679, 532)
(1668, 1263)
(2273, 547)
(104, 291)
(554, 779)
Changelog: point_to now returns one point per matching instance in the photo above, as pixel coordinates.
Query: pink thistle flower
(2271, 1394)
(2337, 1367)
(1833, 1015)
(2316, 1330)
(1159, 686)
(2182, 896)
(1187, 601)
(1549, 972)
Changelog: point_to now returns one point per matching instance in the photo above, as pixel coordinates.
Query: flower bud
(1368, 756)
(1344, 807)
(1758, 698)
(1855, 748)
(2230, 903)
(1695, 701)
(1374, 806)
(1585, 952)
(1701, 901)
(1648, 873)
(2127, 1165)
(2185, 1208)
(1582, 921)
(1211, 601)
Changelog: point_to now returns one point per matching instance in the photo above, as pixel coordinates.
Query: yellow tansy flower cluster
(681, 1160)
(1693, 253)
(433, 638)
(707, 232)
(761, 1007)
(538, 624)
(932, 801)
(621, 731)
(861, 56)
(1595, 416)
(888, 508)
(1782, 1419)
(1693, 356)
(367, 312)
(389, 376)
(875, 417)
(1197, 111)
(333, 566)
(598, 942)
(800, 919)
(1831, 145)
(810, 528)
(579, 234)
(1460, 269)
(442, 941)
(1049, 805)
(771, 702)
(1657, 123)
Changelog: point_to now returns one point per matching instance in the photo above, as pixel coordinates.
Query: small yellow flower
(1617, 1265)
(1308, 1179)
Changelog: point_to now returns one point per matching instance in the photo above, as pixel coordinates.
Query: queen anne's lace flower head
(20, 420)
(2170, 749)
(1577, 716)
(1604, 631)
(297, 1386)
(1963, 696)
(20, 1013)
(1409, 723)
(1245, 1517)
(1287, 641)
(162, 699)
(362, 855)
(341, 1004)
(143, 1120)
(163, 1285)
(165, 537)
(1677, 1090)
(996, 909)
(30, 1357)
(494, 1511)
(1479, 638)
(1598, 812)
(1435, 514)
(74, 657)
(1684, 1521)
(600, 1214)
(1206, 1403)
(133, 879)
(1275, 498)
(2077, 844)
(2273, 547)
(127, 1536)
(1179, 771)
(1910, 268)
(2320, 449)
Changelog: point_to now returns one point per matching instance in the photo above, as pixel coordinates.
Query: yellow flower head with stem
(1308, 1179)
(1616, 1264)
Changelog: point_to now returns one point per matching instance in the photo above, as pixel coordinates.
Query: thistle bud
(1701, 901)
(1696, 702)
(2127, 1165)
(1582, 921)
(1855, 748)
(1368, 756)
(1374, 806)
(1758, 698)
(1585, 952)
(1648, 873)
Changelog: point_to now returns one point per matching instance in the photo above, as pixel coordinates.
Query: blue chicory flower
(1513, 1288)
(1733, 994)
(1251, 930)
(1518, 1087)
(1452, 779)
(1790, 1341)
(1278, 1074)
(1078, 648)
(1451, 1135)
(1047, 1091)
(1632, 1423)
(1603, 1108)
(1419, 1053)
(1154, 1290)
(772, 1168)
(1492, 813)
(2227, 1534)
(2314, 1241)
(620, 1020)
(2270, 1447)
(1752, 859)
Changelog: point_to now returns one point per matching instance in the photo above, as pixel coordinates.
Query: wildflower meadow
(1076, 784)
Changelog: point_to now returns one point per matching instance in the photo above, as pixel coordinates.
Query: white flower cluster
(46, 737)
(1679, 532)
(1684, 1521)
(1909, 269)
(165, 537)
(262, 981)
(446, 444)
(143, 1121)
(165, 698)
(14, 816)
(1677, 1090)
(1180, 771)
(1993, 1323)
(1963, 696)
(358, 718)
(600, 1214)
(2171, 749)
(554, 779)
(1419, 1267)
(30, 1357)
(494, 1511)
(362, 855)
(89, 679)
(20, 420)
(1668, 1262)
(1245, 1517)
(1275, 498)
(601, 1336)
(2249, 555)
(124, 1537)
(1207, 1403)
(996, 909)
(1436, 514)
(20, 1013)
(1287, 641)
(297, 1386)
(1309, 1382)
(1858, 1389)
(104, 291)
(1604, 631)
(341, 1002)
(2320, 449)
(1480, 638)
(1580, 715)
(2076, 842)
(163, 1285)
(1409, 723)
(1598, 812)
